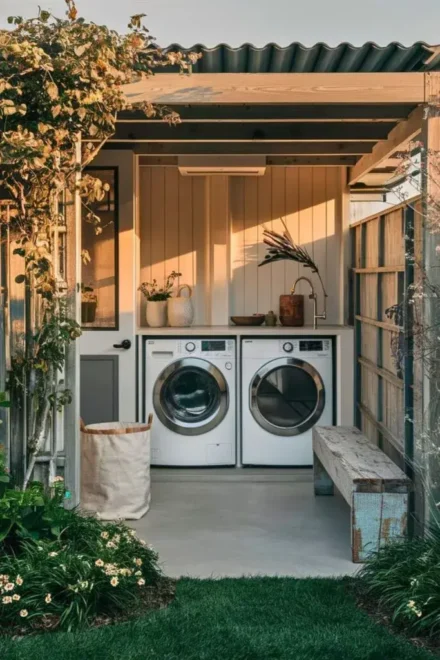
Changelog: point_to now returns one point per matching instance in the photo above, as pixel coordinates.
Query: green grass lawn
(245, 619)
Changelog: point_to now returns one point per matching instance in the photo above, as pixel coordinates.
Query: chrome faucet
(313, 297)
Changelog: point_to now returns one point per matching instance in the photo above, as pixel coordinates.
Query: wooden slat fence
(382, 271)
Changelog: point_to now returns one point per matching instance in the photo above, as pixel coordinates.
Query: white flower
(53, 554)
(83, 585)
(6, 600)
(104, 535)
(9, 586)
(23, 613)
(19, 580)
(138, 573)
(48, 599)
(137, 561)
(114, 582)
(99, 563)
(57, 480)
(141, 582)
(16, 597)
(110, 544)
(132, 532)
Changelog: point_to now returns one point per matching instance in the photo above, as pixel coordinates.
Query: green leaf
(19, 251)
(4, 478)
(20, 279)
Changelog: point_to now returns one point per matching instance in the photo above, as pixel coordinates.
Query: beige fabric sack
(115, 469)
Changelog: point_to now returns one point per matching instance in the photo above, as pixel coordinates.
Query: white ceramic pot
(180, 308)
(157, 313)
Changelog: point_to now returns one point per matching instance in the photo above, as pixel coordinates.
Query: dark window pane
(287, 396)
(190, 395)
(99, 277)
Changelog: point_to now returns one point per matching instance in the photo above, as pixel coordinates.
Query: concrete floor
(217, 523)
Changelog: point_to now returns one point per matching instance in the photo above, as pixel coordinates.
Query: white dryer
(190, 385)
(287, 388)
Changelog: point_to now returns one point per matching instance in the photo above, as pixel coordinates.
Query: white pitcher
(180, 308)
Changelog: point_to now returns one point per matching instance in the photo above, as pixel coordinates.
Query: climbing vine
(61, 84)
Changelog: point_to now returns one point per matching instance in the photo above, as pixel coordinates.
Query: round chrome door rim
(309, 421)
(186, 428)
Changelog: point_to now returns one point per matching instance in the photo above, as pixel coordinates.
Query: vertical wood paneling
(201, 288)
(218, 246)
(264, 219)
(250, 245)
(185, 230)
(292, 269)
(145, 233)
(278, 211)
(181, 218)
(171, 202)
(306, 233)
(332, 271)
(238, 256)
(157, 234)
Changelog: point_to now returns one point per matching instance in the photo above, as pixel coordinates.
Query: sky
(259, 21)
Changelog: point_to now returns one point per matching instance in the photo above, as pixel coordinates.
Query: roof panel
(321, 57)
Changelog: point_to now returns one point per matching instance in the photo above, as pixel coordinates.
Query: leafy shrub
(60, 569)
(405, 579)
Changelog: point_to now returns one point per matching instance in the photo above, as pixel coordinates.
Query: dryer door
(287, 396)
(191, 396)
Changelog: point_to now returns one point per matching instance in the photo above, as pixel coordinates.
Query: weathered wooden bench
(375, 488)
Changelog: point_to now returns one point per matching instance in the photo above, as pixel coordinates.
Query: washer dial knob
(288, 347)
(190, 347)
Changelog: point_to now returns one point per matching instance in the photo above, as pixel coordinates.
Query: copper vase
(292, 310)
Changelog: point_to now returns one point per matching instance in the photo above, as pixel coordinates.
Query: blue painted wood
(377, 519)
(322, 482)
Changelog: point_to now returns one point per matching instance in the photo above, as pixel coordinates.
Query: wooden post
(73, 278)
(428, 433)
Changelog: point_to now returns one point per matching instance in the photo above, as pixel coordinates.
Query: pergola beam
(292, 88)
(272, 161)
(278, 113)
(398, 138)
(254, 132)
(245, 148)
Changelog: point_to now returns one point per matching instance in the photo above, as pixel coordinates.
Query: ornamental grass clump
(68, 571)
(404, 578)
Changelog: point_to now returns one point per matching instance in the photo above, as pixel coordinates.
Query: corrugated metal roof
(297, 58)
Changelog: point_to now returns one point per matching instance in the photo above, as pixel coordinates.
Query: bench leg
(323, 483)
(376, 519)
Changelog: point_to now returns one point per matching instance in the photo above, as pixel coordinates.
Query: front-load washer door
(191, 396)
(287, 396)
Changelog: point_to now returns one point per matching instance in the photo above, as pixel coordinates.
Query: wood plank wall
(378, 260)
(211, 230)
(308, 198)
(172, 231)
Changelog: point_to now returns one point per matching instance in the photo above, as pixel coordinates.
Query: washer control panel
(206, 348)
(306, 347)
(166, 349)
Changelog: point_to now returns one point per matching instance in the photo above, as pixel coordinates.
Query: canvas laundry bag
(115, 469)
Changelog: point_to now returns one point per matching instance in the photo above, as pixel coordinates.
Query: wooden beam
(272, 161)
(245, 148)
(227, 88)
(279, 113)
(254, 132)
(398, 138)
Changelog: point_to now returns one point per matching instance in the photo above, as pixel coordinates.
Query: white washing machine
(287, 388)
(191, 388)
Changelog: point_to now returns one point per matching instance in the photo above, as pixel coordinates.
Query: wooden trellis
(382, 271)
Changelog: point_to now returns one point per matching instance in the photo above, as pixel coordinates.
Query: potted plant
(157, 299)
(89, 303)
